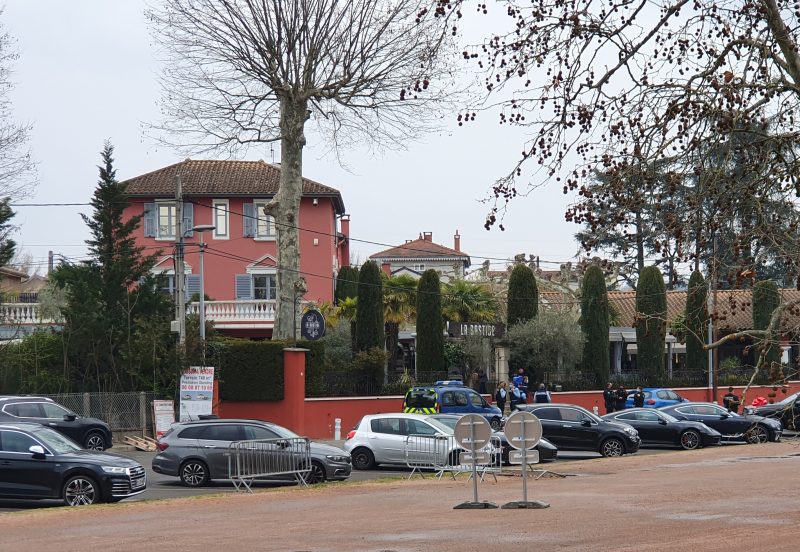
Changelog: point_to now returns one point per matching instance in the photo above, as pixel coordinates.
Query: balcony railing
(22, 313)
(236, 312)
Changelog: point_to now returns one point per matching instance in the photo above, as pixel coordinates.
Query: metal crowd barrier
(442, 454)
(266, 459)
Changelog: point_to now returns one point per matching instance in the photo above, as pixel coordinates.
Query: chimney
(457, 242)
(427, 236)
(387, 269)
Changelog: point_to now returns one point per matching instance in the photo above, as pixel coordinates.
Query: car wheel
(690, 439)
(81, 490)
(758, 434)
(95, 441)
(363, 459)
(612, 447)
(496, 424)
(316, 474)
(194, 473)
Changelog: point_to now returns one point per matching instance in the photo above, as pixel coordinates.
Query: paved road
(161, 486)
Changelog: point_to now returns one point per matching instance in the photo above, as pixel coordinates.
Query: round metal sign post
(472, 433)
(524, 431)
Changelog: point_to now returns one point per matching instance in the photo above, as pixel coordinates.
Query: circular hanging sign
(312, 325)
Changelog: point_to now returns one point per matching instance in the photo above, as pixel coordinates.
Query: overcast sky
(87, 72)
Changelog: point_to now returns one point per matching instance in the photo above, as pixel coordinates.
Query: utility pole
(180, 295)
(712, 384)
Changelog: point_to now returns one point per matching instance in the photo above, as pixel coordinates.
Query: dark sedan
(571, 427)
(659, 428)
(733, 427)
(787, 411)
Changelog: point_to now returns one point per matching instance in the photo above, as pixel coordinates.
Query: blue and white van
(450, 397)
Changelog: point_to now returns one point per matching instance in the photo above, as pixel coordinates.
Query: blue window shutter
(188, 218)
(249, 221)
(150, 220)
(244, 286)
(192, 285)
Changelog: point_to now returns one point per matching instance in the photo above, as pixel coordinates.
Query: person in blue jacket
(542, 395)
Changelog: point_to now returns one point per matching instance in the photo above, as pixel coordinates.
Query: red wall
(320, 414)
(316, 262)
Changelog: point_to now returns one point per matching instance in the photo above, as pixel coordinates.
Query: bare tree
(242, 72)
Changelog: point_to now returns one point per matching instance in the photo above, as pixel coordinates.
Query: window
(685, 410)
(419, 267)
(223, 433)
(258, 432)
(54, 411)
(647, 417)
(24, 410)
(476, 400)
(461, 398)
(221, 232)
(627, 416)
(572, 415)
(417, 427)
(662, 395)
(265, 224)
(165, 214)
(389, 426)
(264, 286)
(549, 413)
(12, 441)
(194, 432)
(673, 396)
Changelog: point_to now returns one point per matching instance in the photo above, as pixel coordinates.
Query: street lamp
(200, 228)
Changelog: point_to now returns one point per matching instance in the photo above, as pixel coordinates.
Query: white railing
(22, 313)
(236, 311)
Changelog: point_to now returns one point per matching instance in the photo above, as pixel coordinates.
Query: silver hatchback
(196, 452)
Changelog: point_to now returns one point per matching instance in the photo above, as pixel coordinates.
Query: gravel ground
(723, 498)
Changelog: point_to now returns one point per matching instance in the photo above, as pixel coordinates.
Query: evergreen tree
(430, 324)
(346, 284)
(8, 247)
(369, 315)
(523, 295)
(765, 300)
(595, 323)
(696, 317)
(651, 324)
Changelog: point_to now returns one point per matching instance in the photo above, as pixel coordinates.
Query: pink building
(241, 257)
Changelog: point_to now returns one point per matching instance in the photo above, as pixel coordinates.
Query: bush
(248, 370)
(371, 363)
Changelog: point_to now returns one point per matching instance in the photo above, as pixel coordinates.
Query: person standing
(609, 398)
(500, 396)
(483, 381)
(517, 381)
(542, 395)
(515, 398)
(731, 401)
(523, 389)
(638, 398)
(620, 397)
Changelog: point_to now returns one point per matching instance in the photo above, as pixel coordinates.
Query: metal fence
(122, 411)
(368, 383)
(267, 459)
(442, 454)
(679, 378)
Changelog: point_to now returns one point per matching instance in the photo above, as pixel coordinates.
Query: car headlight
(116, 470)
(336, 458)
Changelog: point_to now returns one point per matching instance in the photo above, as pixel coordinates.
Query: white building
(416, 256)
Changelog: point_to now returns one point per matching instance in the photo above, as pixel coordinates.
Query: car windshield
(449, 421)
(283, 432)
(790, 399)
(56, 442)
(442, 426)
(668, 417)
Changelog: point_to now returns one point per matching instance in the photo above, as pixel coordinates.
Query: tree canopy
(523, 295)
(430, 325)
(651, 323)
(595, 324)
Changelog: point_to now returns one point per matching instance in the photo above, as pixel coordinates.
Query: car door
(54, 416)
(476, 403)
(725, 422)
(460, 402)
(423, 443)
(550, 417)
(20, 473)
(387, 440)
(214, 442)
(581, 431)
(632, 419)
(653, 428)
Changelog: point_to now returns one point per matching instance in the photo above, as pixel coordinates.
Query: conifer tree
(369, 312)
(523, 295)
(595, 324)
(430, 324)
(765, 300)
(651, 324)
(696, 317)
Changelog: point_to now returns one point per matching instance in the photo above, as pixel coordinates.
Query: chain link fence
(122, 411)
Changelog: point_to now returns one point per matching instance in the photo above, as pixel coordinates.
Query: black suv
(571, 427)
(39, 463)
(90, 433)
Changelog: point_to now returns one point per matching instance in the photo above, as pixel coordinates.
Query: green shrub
(523, 295)
(248, 370)
(651, 323)
(595, 323)
(696, 320)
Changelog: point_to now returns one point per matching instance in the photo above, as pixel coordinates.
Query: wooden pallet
(141, 443)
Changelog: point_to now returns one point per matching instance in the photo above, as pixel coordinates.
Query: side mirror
(662, 421)
(723, 416)
(37, 452)
(586, 423)
(69, 417)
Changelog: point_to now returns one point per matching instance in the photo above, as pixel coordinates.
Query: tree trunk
(285, 208)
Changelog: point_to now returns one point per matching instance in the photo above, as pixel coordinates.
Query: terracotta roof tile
(222, 178)
(418, 249)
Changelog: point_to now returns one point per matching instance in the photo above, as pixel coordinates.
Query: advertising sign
(163, 416)
(196, 392)
(312, 325)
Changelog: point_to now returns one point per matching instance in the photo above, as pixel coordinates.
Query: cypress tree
(369, 312)
(523, 296)
(651, 324)
(765, 300)
(595, 323)
(430, 324)
(696, 316)
(346, 284)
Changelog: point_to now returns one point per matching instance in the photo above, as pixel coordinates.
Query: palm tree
(469, 302)
(399, 307)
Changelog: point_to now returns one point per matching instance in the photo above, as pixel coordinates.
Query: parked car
(196, 452)
(659, 428)
(451, 397)
(381, 439)
(91, 433)
(656, 397)
(732, 426)
(571, 427)
(787, 411)
(548, 452)
(39, 463)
